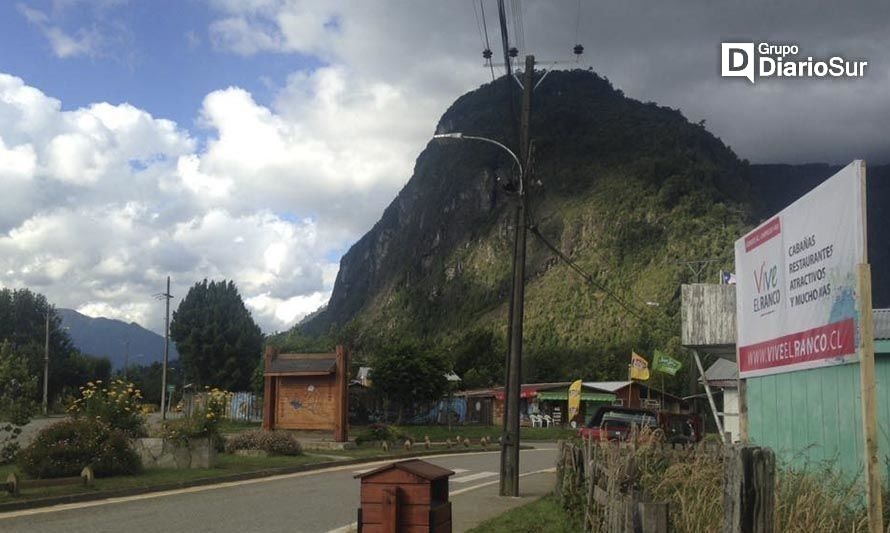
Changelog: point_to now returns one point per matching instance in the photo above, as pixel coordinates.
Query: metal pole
(701, 371)
(510, 457)
(166, 353)
(46, 367)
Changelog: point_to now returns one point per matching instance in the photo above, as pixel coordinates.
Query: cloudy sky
(256, 140)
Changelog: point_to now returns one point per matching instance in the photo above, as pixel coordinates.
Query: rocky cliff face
(628, 190)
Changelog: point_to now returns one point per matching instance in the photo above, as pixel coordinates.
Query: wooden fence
(604, 484)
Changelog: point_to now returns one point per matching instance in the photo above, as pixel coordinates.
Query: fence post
(653, 517)
(749, 477)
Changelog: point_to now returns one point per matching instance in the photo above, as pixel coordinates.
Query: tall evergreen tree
(217, 339)
(23, 328)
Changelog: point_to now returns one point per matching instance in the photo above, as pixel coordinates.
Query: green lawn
(231, 426)
(228, 464)
(542, 516)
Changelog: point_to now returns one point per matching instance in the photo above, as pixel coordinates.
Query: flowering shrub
(64, 448)
(271, 442)
(118, 405)
(204, 420)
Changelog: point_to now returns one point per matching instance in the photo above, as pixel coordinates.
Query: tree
(23, 327)
(407, 374)
(478, 359)
(217, 339)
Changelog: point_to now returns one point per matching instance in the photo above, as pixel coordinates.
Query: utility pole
(510, 446)
(127, 356)
(166, 297)
(46, 366)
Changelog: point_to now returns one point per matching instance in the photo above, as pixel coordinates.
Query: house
(486, 406)
(306, 391)
(639, 395)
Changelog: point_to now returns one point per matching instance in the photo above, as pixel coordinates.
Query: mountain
(630, 191)
(105, 337)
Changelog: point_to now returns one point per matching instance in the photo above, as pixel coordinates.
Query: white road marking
(473, 477)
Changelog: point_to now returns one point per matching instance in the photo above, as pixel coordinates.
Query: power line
(478, 25)
(587, 277)
(487, 51)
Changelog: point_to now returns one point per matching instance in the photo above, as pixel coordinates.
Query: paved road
(302, 502)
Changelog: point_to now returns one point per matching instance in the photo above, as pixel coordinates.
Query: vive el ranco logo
(783, 61)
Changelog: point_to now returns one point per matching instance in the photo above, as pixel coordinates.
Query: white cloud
(83, 42)
(103, 202)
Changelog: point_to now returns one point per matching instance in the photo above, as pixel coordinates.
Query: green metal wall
(812, 417)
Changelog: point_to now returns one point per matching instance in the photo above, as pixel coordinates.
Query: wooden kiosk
(307, 391)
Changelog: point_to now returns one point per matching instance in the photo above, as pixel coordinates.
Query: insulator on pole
(578, 50)
(486, 53)
(513, 51)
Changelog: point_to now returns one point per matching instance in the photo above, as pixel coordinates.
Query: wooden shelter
(307, 391)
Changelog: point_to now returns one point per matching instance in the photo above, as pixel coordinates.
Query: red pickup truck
(616, 423)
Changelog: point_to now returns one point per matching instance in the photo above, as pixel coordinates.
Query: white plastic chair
(537, 421)
(548, 421)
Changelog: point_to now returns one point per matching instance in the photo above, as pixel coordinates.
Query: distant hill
(105, 337)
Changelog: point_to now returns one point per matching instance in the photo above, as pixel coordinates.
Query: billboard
(797, 300)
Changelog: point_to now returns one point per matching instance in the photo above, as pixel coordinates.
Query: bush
(119, 406)
(203, 423)
(271, 442)
(64, 448)
(379, 432)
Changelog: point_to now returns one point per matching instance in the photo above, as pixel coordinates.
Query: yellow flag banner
(574, 399)
(639, 367)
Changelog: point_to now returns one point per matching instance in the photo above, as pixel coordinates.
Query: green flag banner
(662, 362)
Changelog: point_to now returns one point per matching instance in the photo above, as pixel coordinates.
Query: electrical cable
(587, 277)
(478, 25)
(487, 45)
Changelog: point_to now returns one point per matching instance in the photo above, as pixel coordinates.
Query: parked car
(616, 423)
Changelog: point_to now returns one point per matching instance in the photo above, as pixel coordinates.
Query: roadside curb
(269, 472)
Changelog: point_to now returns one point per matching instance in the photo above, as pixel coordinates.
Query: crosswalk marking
(473, 477)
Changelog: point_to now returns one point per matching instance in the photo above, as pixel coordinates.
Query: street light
(509, 473)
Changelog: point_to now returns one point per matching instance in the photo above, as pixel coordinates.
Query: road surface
(317, 501)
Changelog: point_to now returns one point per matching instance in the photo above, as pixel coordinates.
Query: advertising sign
(797, 301)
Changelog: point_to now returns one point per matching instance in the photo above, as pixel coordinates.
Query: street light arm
(487, 140)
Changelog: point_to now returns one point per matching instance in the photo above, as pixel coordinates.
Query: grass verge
(542, 516)
(228, 464)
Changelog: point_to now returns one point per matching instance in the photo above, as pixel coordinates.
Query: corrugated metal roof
(722, 370)
(417, 467)
(609, 386)
(281, 365)
(882, 324)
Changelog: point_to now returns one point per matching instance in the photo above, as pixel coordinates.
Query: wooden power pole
(166, 297)
(510, 447)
